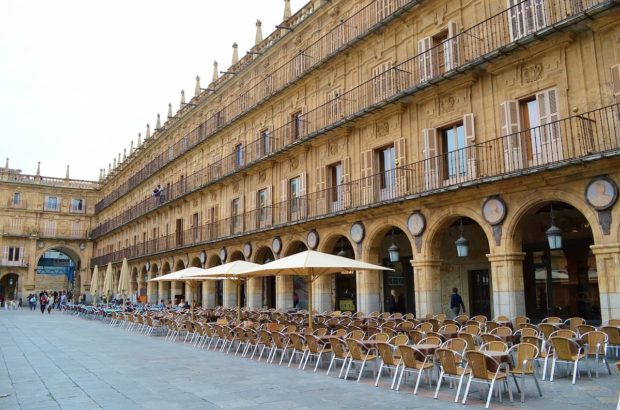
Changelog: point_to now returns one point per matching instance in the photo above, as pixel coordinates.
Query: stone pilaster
(427, 278)
(208, 293)
(151, 292)
(322, 293)
(508, 291)
(368, 291)
(608, 270)
(230, 294)
(284, 292)
(254, 289)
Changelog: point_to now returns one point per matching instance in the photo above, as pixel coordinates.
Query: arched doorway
(133, 285)
(143, 288)
(300, 287)
(397, 285)
(470, 273)
(268, 291)
(56, 270)
(9, 285)
(564, 281)
(342, 286)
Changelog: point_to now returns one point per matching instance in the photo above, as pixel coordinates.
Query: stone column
(284, 292)
(160, 292)
(151, 292)
(608, 269)
(208, 293)
(322, 293)
(427, 283)
(508, 291)
(254, 290)
(368, 291)
(229, 294)
(189, 292)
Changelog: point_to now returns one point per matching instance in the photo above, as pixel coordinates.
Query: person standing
(43, 302)
(50, 304)
(456, 302)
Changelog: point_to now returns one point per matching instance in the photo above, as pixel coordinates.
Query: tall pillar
(427, 278)
(608, 270)
(254, 289)
(322, 293)
(284, 292)
(189, 292)
(160, 292)
(230, 294)
(368, 291)
(208, 293)
(151, 292)
(508, 291)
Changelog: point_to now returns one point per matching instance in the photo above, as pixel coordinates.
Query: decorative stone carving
(382, 129)
(447, 103)
(293, 163)
(332, 148)
(262, 176)
(532, 72)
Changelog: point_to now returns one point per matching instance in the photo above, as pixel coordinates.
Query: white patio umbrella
(94, 283)
(107, 282)
(236, 271)
(183, 275)
(123, 281)
(311, 265)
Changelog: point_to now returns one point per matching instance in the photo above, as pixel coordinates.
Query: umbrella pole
(238, 300)
(191, 285)
(309, 283)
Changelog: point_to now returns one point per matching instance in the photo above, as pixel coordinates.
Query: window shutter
(5, 253)
(303, 201)
(284, 206)
(321, 185)
(431, 161)
(511, 127)
(400, 157)
(452, 47)
(615, 83)
(470, 142)
(269, 205)
(346, 179)
(366, 171)
(425, 58)
(550, 135)
(514, 14)
(21, 254)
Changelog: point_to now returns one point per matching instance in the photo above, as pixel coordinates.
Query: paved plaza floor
(62, 361)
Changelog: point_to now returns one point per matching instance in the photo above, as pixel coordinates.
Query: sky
(80, 79)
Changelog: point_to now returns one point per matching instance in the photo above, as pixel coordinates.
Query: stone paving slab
(61, 361)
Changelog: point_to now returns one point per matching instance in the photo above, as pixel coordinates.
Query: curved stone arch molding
(376, 229)
(288, 241)
(518, 210)
(329, 239)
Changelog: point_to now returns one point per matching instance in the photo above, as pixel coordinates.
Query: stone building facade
(360, 126)
(39, 214)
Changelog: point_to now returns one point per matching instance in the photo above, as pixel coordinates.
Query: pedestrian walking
(50, 304)
(43, 302)
(456, 302)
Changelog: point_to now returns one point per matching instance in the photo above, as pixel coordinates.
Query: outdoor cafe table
(427, 348)
(500, 357)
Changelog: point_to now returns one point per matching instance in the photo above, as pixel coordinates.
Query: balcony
(585, 137)
(472, 47)
(17, 264)
(349, 32)
(49, 181)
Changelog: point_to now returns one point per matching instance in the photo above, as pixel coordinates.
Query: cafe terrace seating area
(501, 357)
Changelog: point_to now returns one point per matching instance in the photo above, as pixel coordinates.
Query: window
(14, 254)
(179, 231)
(49, 228)
(439, 51)
(295, 193)
(76, 229)
(262, 205)
(17, 198)
(264, 144)
(234, 212)
(525, 17)
(335, 181)
(335, 104)
(296, 126)
(299, 64)
(77, 205)
(386, 161)
(382, 81)
(238, 156)
(453, 147)
(51, 203)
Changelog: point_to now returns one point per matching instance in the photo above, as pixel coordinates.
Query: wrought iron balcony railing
(347, 33)
(585, 137)
(491, 38)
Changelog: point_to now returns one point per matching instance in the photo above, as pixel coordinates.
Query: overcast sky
(79, 79)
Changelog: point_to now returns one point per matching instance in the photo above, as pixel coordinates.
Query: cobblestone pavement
(62, 361)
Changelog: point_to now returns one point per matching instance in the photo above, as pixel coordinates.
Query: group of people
(49, 300)
(159, 194)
